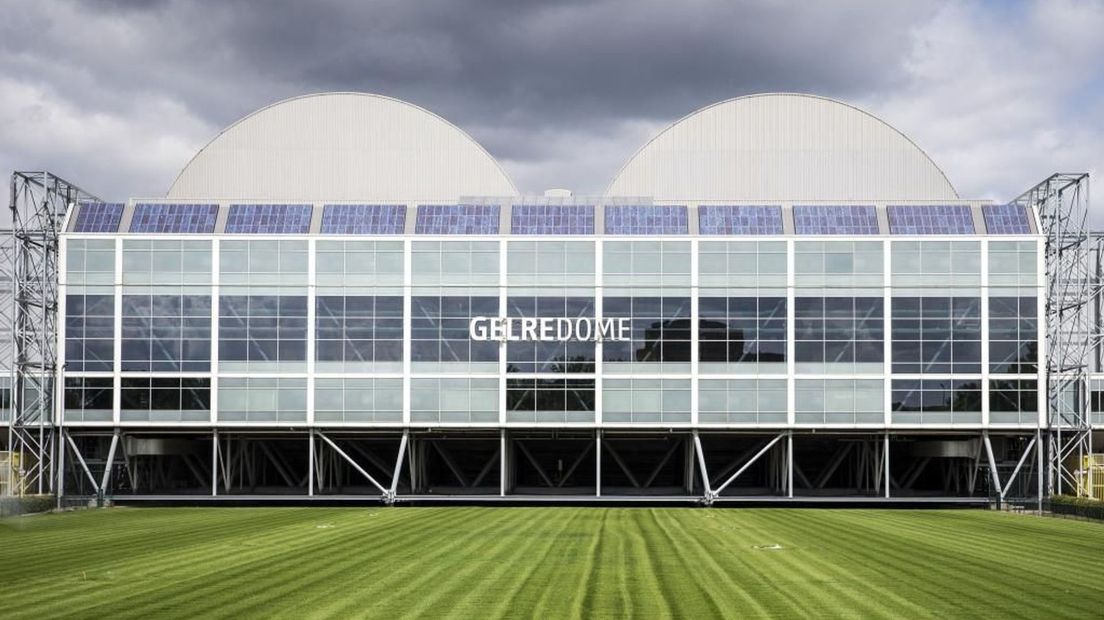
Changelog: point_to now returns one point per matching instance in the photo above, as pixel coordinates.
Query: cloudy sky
(117, 96)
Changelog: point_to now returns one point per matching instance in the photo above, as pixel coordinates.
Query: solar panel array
(269, 219)
(835, 220)
(173, 218)
(363, 219)
(740, 220)
(456, 220)
(99, 217)
(552, 220)
(641, 220)
(1005, 220)
(931, 220)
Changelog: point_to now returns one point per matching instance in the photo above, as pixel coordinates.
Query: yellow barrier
(10, 473)
(1092, 476)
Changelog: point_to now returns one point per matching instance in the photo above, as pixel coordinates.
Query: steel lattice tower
(1062, 201)
(39, 202)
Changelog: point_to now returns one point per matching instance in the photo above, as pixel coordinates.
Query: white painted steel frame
(693, 377)
(388, 492)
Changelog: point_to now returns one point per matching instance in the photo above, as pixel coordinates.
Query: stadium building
(344, 297)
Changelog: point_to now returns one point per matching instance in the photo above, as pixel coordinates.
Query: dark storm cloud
(538, 61)
(502, 70)
(118, 94)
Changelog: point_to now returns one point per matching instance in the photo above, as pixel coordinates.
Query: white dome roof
(342, 146)
(781, 147)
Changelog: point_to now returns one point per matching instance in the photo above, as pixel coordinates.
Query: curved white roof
(781, 147)
(342, 146)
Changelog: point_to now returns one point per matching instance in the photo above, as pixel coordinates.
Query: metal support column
(789, 464)
(885, 458)
(598, 463)
(214, 462)
(502, 464)
(310, 462)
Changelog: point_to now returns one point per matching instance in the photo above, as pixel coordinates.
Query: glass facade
(646, 401)
(936, 335)
(457, 400)
(1013, 335)
(1013, 401)
(439, 334)
(839, 401)
(166, 333)
(358, 399)
(262, 399)
(89, 332)
(937, 401)
(839, 334)
(742, 401)
(660, 330)
(165, 399)
(550, 400)
(88, 399)
(738, 331)
(558, 356)
(262, 332)
(358, 333)
(90, 305)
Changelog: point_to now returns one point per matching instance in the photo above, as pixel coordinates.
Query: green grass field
(549, 562)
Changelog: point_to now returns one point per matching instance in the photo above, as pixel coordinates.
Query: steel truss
(528, 465)
(331, 463)
(39, 202)
(1062, 202)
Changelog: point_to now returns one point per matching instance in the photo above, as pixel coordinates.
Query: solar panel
(173, 218)
(552, 220)
(1006, 220)
(363, 219)
(740, 220)
(641, 220)
(931, 220)
(835, 220)
(98, 217)
(456, 220)
(269, 219)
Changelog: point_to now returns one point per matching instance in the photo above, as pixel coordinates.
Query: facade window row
(549, 400)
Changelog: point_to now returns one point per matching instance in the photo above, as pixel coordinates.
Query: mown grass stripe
(548, 562)
(299, 560)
